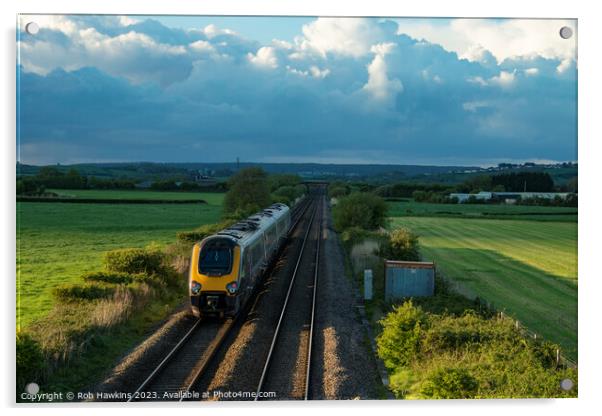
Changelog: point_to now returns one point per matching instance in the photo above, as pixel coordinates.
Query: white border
(590, 135)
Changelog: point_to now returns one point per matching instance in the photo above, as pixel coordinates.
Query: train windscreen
(216, 258)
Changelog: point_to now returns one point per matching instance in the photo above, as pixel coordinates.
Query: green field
(490, 211)
(214, 198)
(527, 268)
(58, 242)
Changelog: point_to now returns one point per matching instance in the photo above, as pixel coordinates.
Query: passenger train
(226, 267)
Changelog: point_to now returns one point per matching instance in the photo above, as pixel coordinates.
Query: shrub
(30, 361)
(87, 291)
(363, 210)
(135, 260)
(401, 245)
(109, 277)
(449, 383)
(337, 191)
(472, 354)
(399, 341)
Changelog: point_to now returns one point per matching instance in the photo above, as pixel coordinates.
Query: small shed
(409, 278)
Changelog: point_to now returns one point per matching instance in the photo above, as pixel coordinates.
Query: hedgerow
(134, 260)
(469, 355)
(86, 291)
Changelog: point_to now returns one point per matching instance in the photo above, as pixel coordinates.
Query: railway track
(176, 375)
(288, 364)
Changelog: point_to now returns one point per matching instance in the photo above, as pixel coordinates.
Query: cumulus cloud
(133, 55)
(504, 38)
(343, 36)
(379, 86)
(265, 57)
(504, 79)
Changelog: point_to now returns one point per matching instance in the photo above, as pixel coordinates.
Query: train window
(215, 258)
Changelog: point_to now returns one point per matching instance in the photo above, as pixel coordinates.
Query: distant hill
(148, 171)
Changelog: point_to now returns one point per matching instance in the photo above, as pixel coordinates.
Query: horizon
(522, 163)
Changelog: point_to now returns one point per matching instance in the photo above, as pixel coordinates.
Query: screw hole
(566, 32)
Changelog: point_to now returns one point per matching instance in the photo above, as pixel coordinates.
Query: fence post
(557, 356)
(516, 324)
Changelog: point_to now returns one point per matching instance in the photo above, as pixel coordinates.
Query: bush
(135, 260)
(401, 245)
(469, 355)
(449, 383)
(338, 191)
(76, 292)
(30, 361)
(363, 210)
(399, 341)
(110, 277)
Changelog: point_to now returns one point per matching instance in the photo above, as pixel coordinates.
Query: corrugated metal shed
(409, 278)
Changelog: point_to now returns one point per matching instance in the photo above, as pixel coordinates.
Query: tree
(364, 210)
(249, 191)
(284, 179)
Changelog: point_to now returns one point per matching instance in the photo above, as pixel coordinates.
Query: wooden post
(557, 356)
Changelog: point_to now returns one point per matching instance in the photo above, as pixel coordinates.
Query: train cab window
(216, 257)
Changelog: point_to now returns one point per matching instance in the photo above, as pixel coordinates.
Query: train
(226, 267)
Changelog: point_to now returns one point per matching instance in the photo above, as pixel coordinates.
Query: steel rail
(283, 311)
(313, 305)
(165, 360)
(208, 356)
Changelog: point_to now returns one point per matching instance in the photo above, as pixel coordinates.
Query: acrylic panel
(207, 205)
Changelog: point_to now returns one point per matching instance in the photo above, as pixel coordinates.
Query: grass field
(527, 268)
(214, 198)
(58, 242)
(495, 211)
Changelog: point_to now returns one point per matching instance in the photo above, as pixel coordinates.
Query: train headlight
(232, 287)
(195, 287)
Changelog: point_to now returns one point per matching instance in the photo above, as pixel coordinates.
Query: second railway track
(287, 369)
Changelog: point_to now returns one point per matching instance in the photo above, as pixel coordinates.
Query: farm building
(508, 197)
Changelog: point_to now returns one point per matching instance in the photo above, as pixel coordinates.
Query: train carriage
(226, 267)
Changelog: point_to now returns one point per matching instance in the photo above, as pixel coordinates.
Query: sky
(303, 89)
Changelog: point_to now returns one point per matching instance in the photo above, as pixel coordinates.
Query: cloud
(265, 57)
(503, 38)
(379, 86)
(137, 90)
(504, 79)
(343, 36)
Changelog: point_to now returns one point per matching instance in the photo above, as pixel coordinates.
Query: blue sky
(279, 89)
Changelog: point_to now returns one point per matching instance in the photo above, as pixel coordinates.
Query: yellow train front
(226, 267)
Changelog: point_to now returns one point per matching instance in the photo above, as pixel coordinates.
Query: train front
(213, 278)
